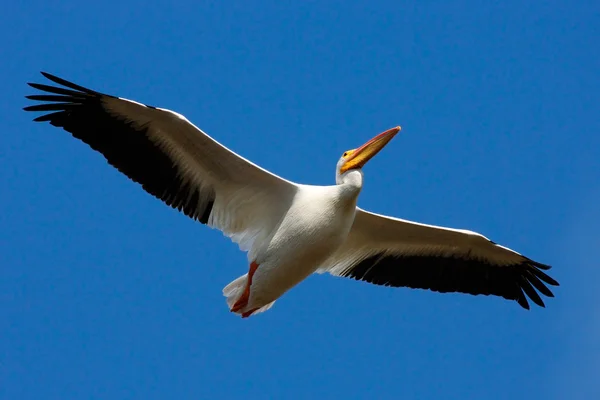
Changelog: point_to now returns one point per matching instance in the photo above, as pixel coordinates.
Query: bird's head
(357, 158)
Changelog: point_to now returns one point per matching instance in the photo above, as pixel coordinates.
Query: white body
(308, 234)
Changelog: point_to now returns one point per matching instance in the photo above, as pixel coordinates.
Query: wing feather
(395, 252)
(171, 159)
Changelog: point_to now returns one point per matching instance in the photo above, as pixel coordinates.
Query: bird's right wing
(172, 159)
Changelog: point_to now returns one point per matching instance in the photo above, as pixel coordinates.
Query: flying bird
(288, 230)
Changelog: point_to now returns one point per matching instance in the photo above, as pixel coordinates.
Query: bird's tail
(234, 290)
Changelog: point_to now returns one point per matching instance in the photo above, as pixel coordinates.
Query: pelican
(288, 230)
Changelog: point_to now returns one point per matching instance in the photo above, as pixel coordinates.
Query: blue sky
(107, 293)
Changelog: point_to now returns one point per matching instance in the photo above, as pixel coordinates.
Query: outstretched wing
(395, 252)
(172, 159)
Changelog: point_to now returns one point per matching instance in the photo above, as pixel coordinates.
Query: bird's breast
(314, 227)
(316, 224)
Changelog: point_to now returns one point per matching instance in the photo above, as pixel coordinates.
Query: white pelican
(289, 230)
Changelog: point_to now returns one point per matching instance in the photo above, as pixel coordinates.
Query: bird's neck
(351, 181)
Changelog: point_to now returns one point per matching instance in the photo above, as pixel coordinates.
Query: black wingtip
(53, 98)
(51, 107)
(545, 267)
(51, 77)
(544, 277)
(521, 298)
(68, 84)
(57, 90)
(47, 117)
(530, 292)
(523, 302)
(535, 281)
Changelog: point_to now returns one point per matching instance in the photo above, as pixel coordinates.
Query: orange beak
(359, 157)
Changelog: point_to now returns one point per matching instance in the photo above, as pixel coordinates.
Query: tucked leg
(249, 313)
(243, 300)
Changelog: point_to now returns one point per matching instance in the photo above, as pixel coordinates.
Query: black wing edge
(79, 111)
(447, 274)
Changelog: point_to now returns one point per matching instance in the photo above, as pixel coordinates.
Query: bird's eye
(345, 154)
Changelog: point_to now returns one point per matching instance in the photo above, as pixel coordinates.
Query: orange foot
(249, 313)
(243, 300)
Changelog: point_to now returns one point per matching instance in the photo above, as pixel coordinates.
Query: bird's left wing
(172, 159)
(395, 252)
